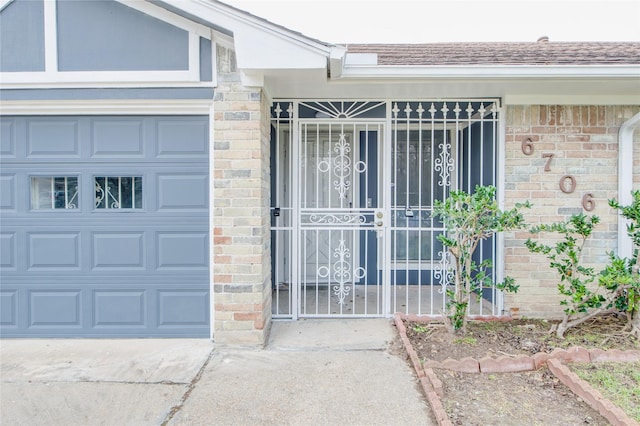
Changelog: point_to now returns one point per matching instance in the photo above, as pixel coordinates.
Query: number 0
(563, 184)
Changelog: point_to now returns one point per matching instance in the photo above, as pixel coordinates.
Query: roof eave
(259, 44)
(489, 71)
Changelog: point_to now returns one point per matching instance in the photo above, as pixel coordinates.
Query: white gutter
(490, 71)
(625, 180)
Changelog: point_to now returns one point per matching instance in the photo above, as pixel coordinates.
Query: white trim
(222, 39)
(579, 99)
(204, 8)
(168, 17)
(50, 38)
(100, 107)
(212, 304)
(4, 3)
(28, 79)
(492, 71)
(499, 261)
(625, 180)
(194, 56)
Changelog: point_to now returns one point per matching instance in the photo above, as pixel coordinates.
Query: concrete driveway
(312, 372)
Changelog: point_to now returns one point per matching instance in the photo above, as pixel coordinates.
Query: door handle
(378, 222)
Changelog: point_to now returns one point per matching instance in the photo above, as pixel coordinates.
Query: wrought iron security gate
(353, 188)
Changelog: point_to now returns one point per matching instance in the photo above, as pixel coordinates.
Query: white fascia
(490, 71)
(625, 180)
(259, 44)
(107, 107)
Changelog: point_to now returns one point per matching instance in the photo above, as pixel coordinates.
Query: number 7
(548, 156)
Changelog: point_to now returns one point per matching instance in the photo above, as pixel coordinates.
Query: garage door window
(118, 192)
(54, 192)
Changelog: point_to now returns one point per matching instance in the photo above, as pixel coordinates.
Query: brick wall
(584, 142)
(241, 252)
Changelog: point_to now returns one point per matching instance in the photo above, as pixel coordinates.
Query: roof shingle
(538, 53)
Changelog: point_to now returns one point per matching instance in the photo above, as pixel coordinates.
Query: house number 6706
(567, 183)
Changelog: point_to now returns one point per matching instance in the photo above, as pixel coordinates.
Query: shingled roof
(537, 53)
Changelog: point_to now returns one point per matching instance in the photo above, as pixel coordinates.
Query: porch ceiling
(513, 89)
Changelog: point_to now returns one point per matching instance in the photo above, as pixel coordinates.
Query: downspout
(625, 180)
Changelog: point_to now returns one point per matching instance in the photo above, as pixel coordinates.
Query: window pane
(54, 192)
(118, 192)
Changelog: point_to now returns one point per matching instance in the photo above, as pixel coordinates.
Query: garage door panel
(178, 139)
(8, 191)
(85, 271)
(118, 250)
(55, 308)
(8, 308)
(182, 191)
(53, 138)
(181, 250)
(118, 138)
(54, 251)
(8, 250)
(183, 307)
(117, 308)
(7, 139)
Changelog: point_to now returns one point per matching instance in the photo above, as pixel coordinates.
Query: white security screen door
(339, 236)
(352, 196)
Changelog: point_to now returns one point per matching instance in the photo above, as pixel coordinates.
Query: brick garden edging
(432, 386)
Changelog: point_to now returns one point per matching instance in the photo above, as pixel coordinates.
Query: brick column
(584, 142)
(241, 222)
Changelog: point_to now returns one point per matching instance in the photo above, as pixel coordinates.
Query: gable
(109, 36)
(101, 42)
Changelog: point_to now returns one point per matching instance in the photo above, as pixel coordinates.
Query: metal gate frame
(462, 137)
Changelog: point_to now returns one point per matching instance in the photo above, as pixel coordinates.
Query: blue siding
(104, 35)
(206, 64)
(22, 36)
(94, 272)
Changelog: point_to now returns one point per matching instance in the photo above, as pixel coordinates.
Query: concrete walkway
(311, 373)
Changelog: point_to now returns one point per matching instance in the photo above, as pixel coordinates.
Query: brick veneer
(584, 141)
(241, 252)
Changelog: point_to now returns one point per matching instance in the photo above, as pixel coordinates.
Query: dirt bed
(528, 398)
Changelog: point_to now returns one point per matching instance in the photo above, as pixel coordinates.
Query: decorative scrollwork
(342, 272)
(331, 219)
(443, 272)
(444, 164)
(101, 194)
(342, 166)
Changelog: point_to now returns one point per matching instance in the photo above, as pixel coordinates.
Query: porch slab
(332, 334)
(320, 372)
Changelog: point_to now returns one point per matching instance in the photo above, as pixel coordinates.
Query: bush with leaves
(468, 219)
(622, 277)
(580, 302)
(617, 289)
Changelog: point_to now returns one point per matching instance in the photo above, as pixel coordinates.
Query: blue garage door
(104, 226)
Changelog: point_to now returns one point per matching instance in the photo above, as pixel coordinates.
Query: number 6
(588, 202)
(527, 146)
